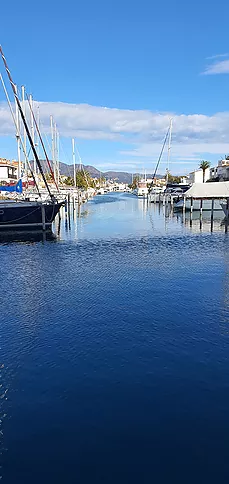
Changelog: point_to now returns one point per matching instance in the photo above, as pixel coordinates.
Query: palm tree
(204, 165)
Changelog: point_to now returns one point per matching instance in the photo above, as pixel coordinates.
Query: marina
(114, 236)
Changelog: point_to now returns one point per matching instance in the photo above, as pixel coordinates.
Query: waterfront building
(196, 176)
(221, 172)
(8, 171)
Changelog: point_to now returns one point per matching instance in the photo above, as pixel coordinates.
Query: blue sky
(143, 61)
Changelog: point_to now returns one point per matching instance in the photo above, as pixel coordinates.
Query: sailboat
(22, 214)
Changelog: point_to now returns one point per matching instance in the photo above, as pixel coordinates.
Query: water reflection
(114, 331)
(119, 215)
(197, 223)
(32, 237)
(123, 215)
(224, 296)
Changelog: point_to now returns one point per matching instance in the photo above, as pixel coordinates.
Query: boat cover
(208, 190)
(12, 188)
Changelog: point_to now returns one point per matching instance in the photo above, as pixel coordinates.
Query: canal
(114, 337)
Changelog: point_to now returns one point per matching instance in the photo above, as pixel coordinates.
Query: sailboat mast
(74, 161)
(159, 159)
(53, 147)
(37, 137)
(56, 149)
(24, 122)
(42, 143)
(58, 154)
(169, 148)
(18, 138)
(24, 131)
(79, 160)
(32, 132)
(15, 124)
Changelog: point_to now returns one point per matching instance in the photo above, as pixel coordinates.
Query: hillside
(120, 176)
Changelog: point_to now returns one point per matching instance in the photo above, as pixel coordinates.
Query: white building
(120, 187)
(8, 171)
(221, 171)
(197, 176)
(185, 180)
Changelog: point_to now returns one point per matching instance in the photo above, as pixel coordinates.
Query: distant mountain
(125, 177)
(120, 176)
(68, 170)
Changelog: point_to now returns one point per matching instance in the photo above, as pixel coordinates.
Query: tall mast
(24, 130)
(169, 148)
(18, 138)
(24, 122)
(80, 167)
(37, 136)
(42, 143)
(159, 159)
(56, 149)
(58, 154)
(32, 131)
(74, 161)
(80, 160)
(53, 147)
(15, 124)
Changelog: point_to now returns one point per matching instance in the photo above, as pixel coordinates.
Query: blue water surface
(114, 349)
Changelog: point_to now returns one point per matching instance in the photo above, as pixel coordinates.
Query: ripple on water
(115, 352)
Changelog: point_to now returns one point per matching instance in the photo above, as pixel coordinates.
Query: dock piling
(43, 216)
(227, 214)
(212, 214)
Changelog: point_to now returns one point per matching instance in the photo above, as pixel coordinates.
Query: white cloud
(141, 130)
(220, 67)
(180, 152)
(95, 122)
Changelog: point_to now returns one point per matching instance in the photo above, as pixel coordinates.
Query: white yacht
(142, 189)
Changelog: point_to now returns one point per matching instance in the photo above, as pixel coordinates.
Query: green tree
(83, 180)
(204, 165)
(69, 181)
(134, 183)
(173, 179)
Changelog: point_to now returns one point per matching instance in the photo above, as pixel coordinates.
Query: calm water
(114, 350)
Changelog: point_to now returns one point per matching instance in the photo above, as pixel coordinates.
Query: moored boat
(22, 214)
(141, 190)
(27, 215)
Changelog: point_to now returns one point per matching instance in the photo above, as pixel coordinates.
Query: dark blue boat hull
(28, 215)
